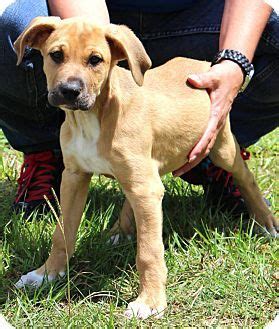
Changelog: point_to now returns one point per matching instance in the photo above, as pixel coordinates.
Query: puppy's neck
(78, 118)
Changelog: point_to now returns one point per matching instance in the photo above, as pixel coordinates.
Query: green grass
(220, 273)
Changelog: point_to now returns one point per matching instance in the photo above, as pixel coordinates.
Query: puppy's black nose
(71, 90)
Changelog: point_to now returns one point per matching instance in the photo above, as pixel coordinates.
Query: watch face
(251, 73)
(245, 84)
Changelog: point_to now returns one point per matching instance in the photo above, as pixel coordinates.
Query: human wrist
(240, 60)
(234, 68)
(229, 74)
(95, 9)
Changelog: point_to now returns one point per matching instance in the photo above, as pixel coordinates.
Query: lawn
(220, 273)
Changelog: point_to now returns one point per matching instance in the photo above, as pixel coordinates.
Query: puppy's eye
(95, 60)
(57, 56)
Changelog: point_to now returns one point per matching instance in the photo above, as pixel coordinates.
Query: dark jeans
(31, 125)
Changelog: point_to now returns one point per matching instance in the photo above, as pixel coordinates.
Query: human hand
(222, 83)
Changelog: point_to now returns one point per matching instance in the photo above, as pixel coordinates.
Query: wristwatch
(236, 56)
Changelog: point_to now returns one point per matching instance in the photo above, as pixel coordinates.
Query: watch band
(237, 57)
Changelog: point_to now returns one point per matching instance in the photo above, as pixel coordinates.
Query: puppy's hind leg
(125, 225)
(226, 154)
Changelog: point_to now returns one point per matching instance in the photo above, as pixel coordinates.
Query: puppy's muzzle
(71, 95)
(70, 91)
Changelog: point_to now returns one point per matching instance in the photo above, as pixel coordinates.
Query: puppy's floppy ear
(125, 45)
(35, 34)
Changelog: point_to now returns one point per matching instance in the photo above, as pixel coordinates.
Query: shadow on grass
(96, 264)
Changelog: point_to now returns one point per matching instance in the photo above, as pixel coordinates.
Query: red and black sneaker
(40, 173)
(218, 185)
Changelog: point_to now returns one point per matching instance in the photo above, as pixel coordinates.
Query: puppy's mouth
(84, 103)
(75, 107)
(69, 97)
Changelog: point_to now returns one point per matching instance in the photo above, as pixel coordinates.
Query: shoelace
(36, 177)
(216, 174)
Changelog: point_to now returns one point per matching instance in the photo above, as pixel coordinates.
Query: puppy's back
(170, 78)
(179, 112)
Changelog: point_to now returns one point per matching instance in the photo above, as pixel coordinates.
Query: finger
(205, 140)
(188, 166)
(211, 144)
(202, 80)
(223, 120)
(203, 147)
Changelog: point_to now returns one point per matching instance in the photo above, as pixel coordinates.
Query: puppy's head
(78, 57)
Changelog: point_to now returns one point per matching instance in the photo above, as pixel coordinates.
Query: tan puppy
(136, 132)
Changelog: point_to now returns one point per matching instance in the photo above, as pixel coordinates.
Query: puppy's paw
(116, 238)
(35, 280)
(271, 232)
(271, 227)
(142, 311)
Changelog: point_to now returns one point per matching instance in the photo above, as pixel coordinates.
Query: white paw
(142, 311)
(4, 324)
(273, 324)
(35, 280)
(115, 239)
(271, 232)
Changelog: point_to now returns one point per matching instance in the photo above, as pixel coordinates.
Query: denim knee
(28, 123)
(13, 20)
(256, 112)
(17, 15)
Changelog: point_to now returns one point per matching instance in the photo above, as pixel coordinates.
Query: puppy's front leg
(74, 189)
(145, 197)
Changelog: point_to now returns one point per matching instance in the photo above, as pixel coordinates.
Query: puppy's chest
(83, 146)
